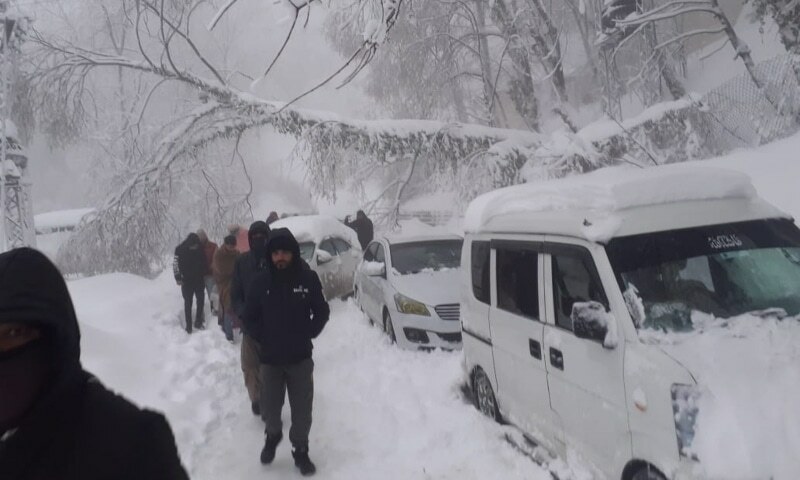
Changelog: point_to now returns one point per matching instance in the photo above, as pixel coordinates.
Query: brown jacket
(224, 261)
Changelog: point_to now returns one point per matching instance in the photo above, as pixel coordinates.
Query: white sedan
(410, 287)
(330, 248)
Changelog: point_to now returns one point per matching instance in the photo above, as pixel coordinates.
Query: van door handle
(556, 358)
(535, 349)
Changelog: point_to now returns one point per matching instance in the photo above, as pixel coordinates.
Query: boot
(270, 444)
(302, 462)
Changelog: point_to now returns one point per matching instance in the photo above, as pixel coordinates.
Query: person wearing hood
(56, 420)
(190, 267)
(244, 271)
(223, 265)
(209, 249)
(363, 228)
(285, 311)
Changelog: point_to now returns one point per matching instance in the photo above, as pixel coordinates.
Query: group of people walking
(58, 421)
(273, 296)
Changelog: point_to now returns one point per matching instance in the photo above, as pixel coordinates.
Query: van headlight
(410, 306)
(685, 399)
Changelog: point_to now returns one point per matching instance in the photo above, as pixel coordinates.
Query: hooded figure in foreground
(285, 311)
(56, 420)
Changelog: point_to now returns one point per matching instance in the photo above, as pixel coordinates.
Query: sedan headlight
(685, 399)
(410, 306)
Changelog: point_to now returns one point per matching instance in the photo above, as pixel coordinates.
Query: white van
(574, 289)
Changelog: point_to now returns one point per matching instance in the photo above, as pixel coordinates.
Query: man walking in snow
(247, 266)
(57, 421)
(209, 249)
(189, 267)
(285, 311)
(223, 265)
(363, 228)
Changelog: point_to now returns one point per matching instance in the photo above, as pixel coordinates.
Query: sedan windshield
(416, 257)
(723, 270)
(307, 250)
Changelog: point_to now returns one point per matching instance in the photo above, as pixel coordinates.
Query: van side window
(480, 271)
(518, 282)
(575, 279)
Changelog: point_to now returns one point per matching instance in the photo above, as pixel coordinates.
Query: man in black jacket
(56, 420)
(245, 270)
(285, 311)
(363, 228)
(190, 269)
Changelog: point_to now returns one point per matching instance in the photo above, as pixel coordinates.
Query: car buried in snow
(329, 247)
(646, 320)
(409, 286)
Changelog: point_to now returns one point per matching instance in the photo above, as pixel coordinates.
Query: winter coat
(364, 230)
(189, 264)
(209, 249)
(246, 268)
(77, 429)
(286, 308)
(223, 265)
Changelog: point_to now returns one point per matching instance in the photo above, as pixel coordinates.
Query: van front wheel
(484, 395)
(648, 473)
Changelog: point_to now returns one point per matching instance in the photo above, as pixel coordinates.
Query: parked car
(409, 286)
(580, 298)
(330, 248)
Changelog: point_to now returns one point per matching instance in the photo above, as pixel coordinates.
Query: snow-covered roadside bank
(379, 412)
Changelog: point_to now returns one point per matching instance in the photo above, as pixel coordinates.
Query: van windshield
(723, 270)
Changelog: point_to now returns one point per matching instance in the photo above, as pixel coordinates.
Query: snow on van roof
(610, 190)
(316, 228)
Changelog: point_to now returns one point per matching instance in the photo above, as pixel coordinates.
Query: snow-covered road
(379, 412)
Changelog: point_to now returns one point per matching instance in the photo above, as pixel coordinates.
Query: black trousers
(190, 291)
(298, 381)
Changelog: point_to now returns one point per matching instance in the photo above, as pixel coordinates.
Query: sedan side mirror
(591, 321)
(323, 257)
(374, 269)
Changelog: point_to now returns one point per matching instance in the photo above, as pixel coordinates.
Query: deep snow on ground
(379, 412)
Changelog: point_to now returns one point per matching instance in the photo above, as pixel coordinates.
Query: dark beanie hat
(230, 240)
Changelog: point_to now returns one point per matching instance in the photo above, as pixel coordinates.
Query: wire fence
(743, 115)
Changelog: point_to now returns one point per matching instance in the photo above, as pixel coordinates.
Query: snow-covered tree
(786, 14)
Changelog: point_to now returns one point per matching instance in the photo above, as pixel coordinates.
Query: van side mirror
(591, 321)
(323, 257)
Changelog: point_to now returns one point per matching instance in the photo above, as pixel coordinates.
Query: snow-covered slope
(379, 412)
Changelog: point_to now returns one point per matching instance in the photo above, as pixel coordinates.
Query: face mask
(24, 373)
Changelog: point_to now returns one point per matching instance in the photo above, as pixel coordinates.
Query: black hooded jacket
(286, 308)
(247, 266)
(190, 266)
(77, 429)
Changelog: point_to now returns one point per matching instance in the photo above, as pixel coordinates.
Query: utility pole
(5, 52)
(16, 211)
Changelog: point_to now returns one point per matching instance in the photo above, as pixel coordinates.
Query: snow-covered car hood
(431, 288)
(748, 373)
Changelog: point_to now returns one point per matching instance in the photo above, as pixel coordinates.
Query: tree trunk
(523, 91)
(486, 67)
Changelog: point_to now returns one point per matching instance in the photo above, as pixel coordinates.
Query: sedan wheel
(484, 395)
(388, 327)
